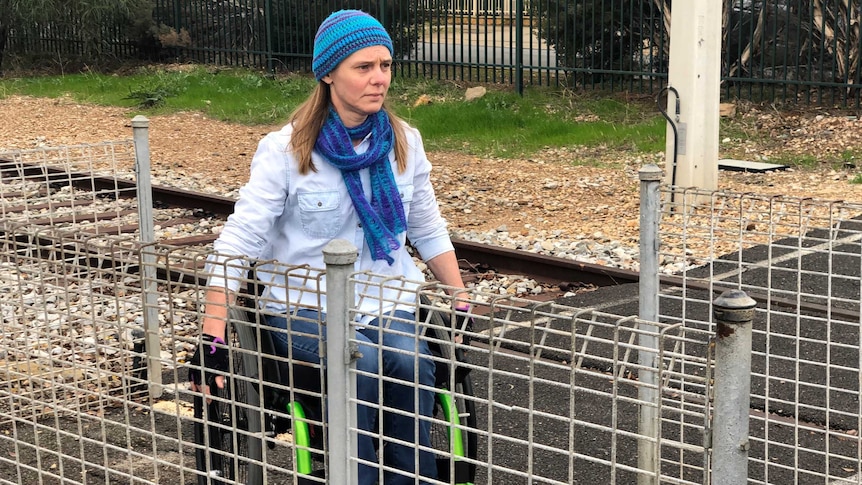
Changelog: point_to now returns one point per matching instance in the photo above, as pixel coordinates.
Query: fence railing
(792, 51)
(575, 391)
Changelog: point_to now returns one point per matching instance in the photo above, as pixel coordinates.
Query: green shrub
(157, 87)
(598, 38)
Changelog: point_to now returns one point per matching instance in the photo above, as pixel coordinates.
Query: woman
(344, 167)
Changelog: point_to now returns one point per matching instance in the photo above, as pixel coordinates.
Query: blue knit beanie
(343, 33)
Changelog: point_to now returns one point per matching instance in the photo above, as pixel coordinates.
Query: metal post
(519, 47)
(648, 301)
(140, 130)
(733, 311)
(382, 13)
(178, 14)
(149, 286)
(268, 18)
(340, 256)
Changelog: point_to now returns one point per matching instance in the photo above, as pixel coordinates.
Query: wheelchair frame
(224, 455)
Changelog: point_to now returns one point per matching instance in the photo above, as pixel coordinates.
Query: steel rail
(543, 268)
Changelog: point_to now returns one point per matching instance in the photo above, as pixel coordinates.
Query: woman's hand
(210, 363)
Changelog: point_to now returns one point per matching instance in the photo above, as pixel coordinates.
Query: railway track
(175, 207)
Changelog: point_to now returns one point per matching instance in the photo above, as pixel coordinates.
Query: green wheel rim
(301, 438)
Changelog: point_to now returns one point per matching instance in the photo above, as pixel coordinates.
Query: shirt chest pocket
(405, 191)
(319, 213)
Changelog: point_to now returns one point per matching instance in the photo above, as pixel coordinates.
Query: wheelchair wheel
(227, 431)
(455, 440)
(302, 409)
(453, 429)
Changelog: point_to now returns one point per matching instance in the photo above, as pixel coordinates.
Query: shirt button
(319, 204)
(359, 225)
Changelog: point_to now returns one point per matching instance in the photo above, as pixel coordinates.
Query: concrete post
(648, 287)
(149, 285)
(733, 311)
(340, 256)
(695, 73)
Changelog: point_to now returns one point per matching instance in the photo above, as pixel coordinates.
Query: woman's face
(358, 85)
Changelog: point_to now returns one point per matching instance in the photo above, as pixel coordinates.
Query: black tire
(227, 435)
(457, 408)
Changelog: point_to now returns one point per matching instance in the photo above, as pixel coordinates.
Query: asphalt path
(805, 372)
(481, 55)
(480, 45)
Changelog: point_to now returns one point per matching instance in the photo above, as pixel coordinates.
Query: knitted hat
(343, 33)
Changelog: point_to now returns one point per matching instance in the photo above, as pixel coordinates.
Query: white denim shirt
(284, 216)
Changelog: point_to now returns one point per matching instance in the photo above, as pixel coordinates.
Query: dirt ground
(550, 191)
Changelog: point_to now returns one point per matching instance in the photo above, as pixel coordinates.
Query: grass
(237, 96)
(500, 124)
(506, 125)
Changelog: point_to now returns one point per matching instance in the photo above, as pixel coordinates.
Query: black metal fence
(791, 51)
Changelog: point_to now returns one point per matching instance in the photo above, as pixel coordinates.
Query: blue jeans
(306, 337)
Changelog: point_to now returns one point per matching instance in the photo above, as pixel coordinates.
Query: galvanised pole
(340, 256)
(149, 286)
(733, 311)
(648, 300)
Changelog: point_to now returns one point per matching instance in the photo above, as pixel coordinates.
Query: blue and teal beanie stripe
(343, 33)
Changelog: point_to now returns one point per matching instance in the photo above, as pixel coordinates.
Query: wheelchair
(231, 431)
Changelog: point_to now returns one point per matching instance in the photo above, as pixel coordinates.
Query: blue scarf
(383, 218)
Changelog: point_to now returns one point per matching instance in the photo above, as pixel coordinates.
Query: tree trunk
(753, 45)
(663, 38)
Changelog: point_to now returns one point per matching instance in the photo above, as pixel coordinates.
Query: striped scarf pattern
(383, 217)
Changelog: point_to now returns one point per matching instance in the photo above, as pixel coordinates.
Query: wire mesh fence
(799, 258)
(554, 388)
(557, 391)
(60, 186)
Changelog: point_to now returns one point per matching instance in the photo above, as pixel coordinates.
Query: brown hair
(308, 120)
